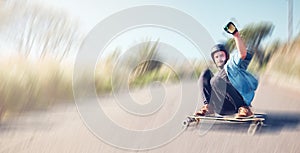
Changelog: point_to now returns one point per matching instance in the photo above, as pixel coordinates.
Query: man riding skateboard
(232, 89)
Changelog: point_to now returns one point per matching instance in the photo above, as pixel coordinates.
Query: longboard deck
(227, 118)
(256, 117)
(256, 121)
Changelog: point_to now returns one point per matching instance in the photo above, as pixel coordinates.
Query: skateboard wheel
(185, 123)
(254, 127)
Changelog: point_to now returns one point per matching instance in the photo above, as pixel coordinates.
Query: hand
(230, 28)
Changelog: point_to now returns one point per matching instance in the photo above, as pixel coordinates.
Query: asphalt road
(63, 129)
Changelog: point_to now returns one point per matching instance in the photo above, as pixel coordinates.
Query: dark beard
(220, 67)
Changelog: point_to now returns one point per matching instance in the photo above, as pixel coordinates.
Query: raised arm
(240, 45)
(231, 29)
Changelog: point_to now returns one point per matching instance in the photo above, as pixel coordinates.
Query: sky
(211, 14)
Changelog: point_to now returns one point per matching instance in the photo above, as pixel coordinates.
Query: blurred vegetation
(284, 61)
(32, 84)
(49, 36)
(37, 41)
(140, 69)
(35, 30)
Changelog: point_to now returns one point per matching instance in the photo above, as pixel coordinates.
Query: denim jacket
(243, 81)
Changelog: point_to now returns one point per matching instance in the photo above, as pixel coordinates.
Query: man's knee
(205, 77)
(214, 80)
(206, 74)
(217, 82)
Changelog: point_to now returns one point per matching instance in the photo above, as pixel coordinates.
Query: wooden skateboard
(256, 121)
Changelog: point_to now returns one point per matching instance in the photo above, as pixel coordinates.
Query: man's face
(220, 58)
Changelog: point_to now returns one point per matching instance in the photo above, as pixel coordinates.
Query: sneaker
(244, 112)
(205, 111)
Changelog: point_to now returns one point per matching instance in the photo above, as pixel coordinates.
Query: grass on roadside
(27, 85)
